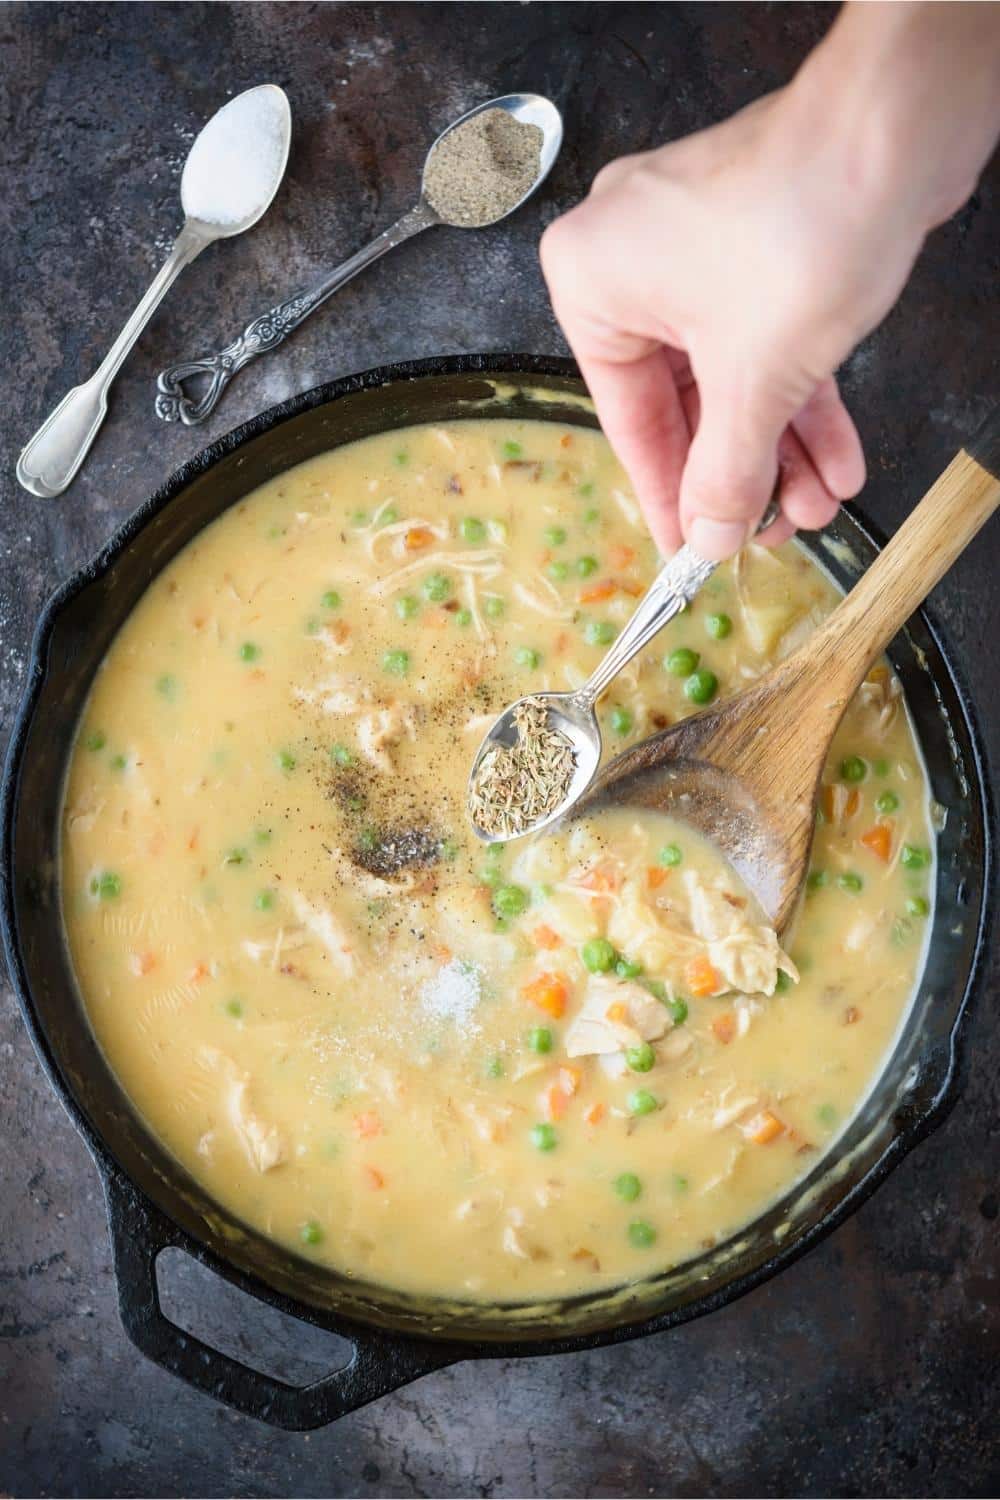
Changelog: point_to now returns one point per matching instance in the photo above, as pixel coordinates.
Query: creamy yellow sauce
(500, 1074)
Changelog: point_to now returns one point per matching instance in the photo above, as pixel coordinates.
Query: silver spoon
(49, 462)
(173, 404)
(573, 714)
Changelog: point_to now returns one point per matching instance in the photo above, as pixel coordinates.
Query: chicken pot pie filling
(491, 1072)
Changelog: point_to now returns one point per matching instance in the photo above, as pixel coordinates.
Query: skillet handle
(380, 1362)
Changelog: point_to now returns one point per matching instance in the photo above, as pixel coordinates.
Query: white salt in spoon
(231, 175)
(174, 404)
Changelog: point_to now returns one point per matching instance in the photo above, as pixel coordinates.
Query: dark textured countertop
(873, 1365)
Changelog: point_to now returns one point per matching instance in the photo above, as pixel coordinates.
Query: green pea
(670, 854)
(262, 836)
(510, 900)
(249, 652)
(640, 1058)
(118, 762)
(599, 632)
(586, 489)
(679, 1182)
(236, 857)
(463, 617)
(286, 760)
(881, 768)
(849, 881)
(97, 740)
(621, 720)
(106, 886)
(543, 1137)
(510, 449)
(555, 536)
(657, 989)
(527, 656)
(491, 876)
(853, 768)
(627, 1186)
(494, 607)
(407, 606)
(913, 857)
(494, 851)
(816, 879)
(642, 1102)
(311, 1233)
(827, 1115)
(540, 1039)
(586, 566)
(718, 626)
(628, 968)
(341, 755)
(598, 955)
(331, 599)
(681, 662)
(886, 802)
(166, 686)
(234, 1008)
(641, 1235)
(494, 1068)
(312, 626)
(591, 514)
(396, 663)
(472, 529)
(558, 571)
(917, 906)
(678, 1010)
(782, 983)
(264, 900)
(701, 686)
(437, 587)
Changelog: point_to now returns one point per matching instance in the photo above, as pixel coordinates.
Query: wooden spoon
(747, 774)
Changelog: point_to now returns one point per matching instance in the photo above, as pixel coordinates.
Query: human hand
(710, 288)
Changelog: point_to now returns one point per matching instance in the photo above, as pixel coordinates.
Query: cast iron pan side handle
(380, 1363)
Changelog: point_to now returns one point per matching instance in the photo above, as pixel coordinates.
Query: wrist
(910, 92)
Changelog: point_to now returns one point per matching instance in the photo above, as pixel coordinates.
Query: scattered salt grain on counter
(453, 994)
(238, 159)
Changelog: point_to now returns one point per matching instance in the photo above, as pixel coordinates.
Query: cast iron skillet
(152, 1201)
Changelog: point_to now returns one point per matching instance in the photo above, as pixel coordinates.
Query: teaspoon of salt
(479, 170)
(231, 175)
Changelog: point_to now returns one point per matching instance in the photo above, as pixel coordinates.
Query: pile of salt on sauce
(482, 169)
(230, 175)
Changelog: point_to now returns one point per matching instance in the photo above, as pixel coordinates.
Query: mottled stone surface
(870, 1367)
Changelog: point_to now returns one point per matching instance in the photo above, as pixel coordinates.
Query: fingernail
(715, 540)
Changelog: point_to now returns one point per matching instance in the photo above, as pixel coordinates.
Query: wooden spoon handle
(953, 510)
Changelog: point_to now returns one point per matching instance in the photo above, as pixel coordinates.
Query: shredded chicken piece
(335, 695)
(552, 607)
(396, 532)
(382, 728)
(82, 817)
(614, 1016)
(335, 639)
(286, 940)
(627, 505)
(323, 924)
(263, 1142)
(880, 696)
(749, 960)
(482, 563)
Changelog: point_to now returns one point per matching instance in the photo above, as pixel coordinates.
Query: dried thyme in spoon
(516, 786)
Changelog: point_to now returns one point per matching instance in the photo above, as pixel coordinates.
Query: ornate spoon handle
(173, 403)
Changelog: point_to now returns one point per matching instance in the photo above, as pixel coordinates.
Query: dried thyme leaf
(516, 787)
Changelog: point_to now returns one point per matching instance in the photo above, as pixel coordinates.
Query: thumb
(732, 465)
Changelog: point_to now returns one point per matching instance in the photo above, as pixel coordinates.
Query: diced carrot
(838, 803)
(570, 1078)
(701, 977)
(554, 1102)
(655, 876)
(545, 937)
(617, 1011)
(373, 1177)
(595, 1113)
(620, 556)
(442, 953)
(142, 964)
(339, 631)
(548, 992)
(601, 878)
(367, 1125)
(764, 1128)
(198, 973)
(560, 644)
(192, 842)
(878, 839)
(631, 586)
(417, 538)
(596, 592)
(724, 1027)
(851, 1016)
(565, 440)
